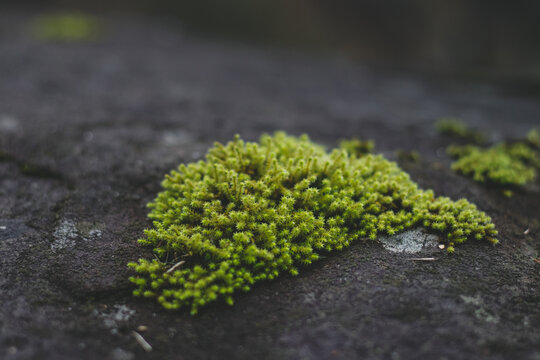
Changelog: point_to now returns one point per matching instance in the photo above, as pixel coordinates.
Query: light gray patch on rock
(177, 138)
(117, 315)
(471, 300)
(410, 241)
(64, 235)
(8, 124)
(67, 233)
(480, 311)
(121, 354)
(94, 234)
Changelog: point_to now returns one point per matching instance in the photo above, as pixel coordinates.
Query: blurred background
(496, 40)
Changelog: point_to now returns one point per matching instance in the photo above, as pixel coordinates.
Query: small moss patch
(502, 164)
(458, 129)
(66, 27)
(253, 211)
(505, 164)
(357, 147)
(533, 137)
(404, 156)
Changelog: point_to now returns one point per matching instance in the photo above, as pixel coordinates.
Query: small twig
(422, 259)
(536, 261)
(144, 344)
(175, 266)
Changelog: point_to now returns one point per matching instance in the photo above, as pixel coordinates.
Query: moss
(533, 137)
(501, 164)
(5, 156)
(508, 193)
(68, 27)
(253, 211)
(458, 129)
(357, 147)
(407, 156)
(507, 164)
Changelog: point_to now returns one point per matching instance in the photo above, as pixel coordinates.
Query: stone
(92, 121)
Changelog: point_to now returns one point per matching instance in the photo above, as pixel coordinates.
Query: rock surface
(87, 132)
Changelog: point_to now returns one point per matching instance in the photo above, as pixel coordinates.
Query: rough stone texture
(87, 132)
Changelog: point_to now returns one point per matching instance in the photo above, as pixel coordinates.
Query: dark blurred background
(496, 40)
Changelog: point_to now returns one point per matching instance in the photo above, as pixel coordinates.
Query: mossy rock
(252, 211)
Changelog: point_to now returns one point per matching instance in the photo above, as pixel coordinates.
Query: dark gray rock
(87, 132)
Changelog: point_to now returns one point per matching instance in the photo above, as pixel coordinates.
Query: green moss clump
(502, 164)
(253, 211)
(357, 147)
(68, 27)
(457, 128)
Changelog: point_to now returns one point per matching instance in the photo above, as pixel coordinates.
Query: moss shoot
(253, 211)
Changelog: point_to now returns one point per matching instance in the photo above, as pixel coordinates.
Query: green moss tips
(457, 128)
(253, 211)
(501, 164)
(357, 147)
(66, 27)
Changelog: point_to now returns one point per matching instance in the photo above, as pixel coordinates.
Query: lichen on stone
(409, 241)
(67, 233)
(252, 211)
